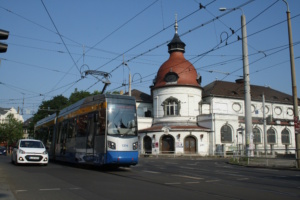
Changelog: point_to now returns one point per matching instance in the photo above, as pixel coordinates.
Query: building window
(226, 134)
(256, 136)
(285, 137)
(171, 107)
(271, 139)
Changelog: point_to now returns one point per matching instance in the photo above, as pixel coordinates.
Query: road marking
(21, 191)
(187, 168)
(192, 182)
(74, 188)
(209, 181)
(152, 172)
(50, 189)
(191, 177)
(175, 183)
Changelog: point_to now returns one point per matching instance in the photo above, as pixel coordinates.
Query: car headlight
(135, 146)
(45, 152)
(111, 145)
(21, 151)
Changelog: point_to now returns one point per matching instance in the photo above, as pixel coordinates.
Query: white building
(4, 112)
(181, 117)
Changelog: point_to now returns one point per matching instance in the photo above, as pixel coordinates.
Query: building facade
(181, 117)
(4, 112)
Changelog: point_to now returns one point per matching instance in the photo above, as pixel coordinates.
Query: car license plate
(34, 158)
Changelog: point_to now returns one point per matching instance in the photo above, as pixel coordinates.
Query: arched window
(271, 139)
(226, 134)
(171, 106)
(256, 136)
(285, 136)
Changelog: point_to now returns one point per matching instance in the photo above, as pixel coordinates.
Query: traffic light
(3, 36)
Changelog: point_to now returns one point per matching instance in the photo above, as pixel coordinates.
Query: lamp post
(129, 79)
(246, 75)
(294, 87)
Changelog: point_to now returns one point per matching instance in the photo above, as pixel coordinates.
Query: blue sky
(51, 44)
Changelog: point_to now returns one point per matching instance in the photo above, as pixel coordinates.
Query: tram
(97, 130)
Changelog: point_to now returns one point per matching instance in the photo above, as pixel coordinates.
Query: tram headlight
(111, 145)
(135, 146)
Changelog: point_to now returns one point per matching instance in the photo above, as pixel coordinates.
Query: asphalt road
(152, 178)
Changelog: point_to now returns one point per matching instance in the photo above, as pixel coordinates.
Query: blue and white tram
(97, 130)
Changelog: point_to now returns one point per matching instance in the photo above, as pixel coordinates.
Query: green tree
(11, 131)
(47, 108)
(78, 95)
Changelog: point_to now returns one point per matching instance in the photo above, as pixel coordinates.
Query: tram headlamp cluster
(111, 145)
(135, 146)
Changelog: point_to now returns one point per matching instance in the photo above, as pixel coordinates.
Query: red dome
(176, 64)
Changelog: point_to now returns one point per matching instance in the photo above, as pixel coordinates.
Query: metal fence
(279, 158)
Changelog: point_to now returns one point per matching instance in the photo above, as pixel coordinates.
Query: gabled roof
(140, 96)
(225, 89)
(158, 128)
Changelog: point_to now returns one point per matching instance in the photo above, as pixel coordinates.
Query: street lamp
(294, 87)
(248, 117)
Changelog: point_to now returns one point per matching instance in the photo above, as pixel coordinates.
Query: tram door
(167, 144)
(147, 145)
(190, 145)
(90, 140)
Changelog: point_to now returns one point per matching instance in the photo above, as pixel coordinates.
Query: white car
(30, 151)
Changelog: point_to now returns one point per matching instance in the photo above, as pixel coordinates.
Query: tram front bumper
(122, 157)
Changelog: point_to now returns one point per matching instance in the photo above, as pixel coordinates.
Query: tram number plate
(34, 158)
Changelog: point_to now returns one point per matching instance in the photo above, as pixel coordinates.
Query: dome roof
(176, 71)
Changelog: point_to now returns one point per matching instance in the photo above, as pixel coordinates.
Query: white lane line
(50, 189)
(187, 168)
(209, 181)
(17, 191)
(192, 182)
(152, 172)
(191, 177)
(175, 183)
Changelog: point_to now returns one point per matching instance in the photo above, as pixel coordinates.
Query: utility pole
(294, 87)
(248, 116)
(246, 75)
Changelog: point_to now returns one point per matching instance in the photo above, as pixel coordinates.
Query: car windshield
(31, 144)
(121, 119)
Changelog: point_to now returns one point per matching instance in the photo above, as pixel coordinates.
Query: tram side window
(59, 132)
(82, 126)
(64, 132)
(50, 136)
(101, 122)
(72, 128)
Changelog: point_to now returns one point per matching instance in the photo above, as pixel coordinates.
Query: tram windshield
(121, 120)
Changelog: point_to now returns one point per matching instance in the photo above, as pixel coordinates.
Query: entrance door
(147, 145)
(190, 145)
(167, 144)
